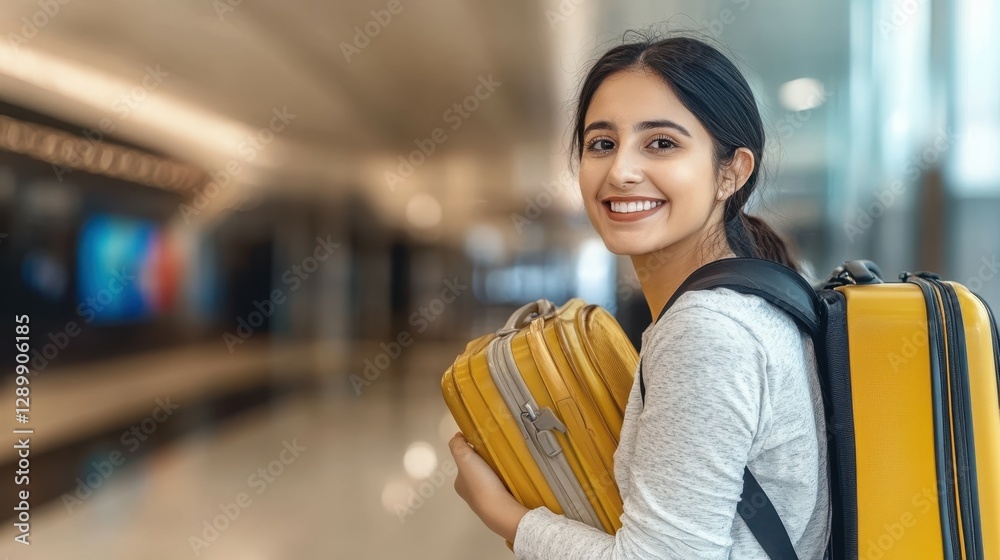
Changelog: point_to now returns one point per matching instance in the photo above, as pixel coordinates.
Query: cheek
(688, 185)
(592, 176)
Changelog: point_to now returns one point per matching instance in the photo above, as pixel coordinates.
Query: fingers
(459, 446)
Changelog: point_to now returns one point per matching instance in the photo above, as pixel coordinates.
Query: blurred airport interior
(251, 235)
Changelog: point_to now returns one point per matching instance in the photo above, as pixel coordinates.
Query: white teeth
(627, 207)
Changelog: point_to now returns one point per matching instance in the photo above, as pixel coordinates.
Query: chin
(629, 247)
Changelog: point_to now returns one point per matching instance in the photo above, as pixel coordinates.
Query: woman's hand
(483, 490)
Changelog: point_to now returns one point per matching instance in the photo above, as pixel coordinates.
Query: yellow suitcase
(911, 383)
(921, 478)
(542, 401)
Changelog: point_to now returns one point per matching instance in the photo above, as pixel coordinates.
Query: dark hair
(712, 88)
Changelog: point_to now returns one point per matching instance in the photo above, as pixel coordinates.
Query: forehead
(632, 96)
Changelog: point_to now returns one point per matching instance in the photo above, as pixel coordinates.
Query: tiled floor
(342, 495)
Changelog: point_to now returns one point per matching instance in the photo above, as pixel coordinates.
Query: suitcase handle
(520, 318)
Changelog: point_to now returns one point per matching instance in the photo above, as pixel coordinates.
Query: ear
(736, 173)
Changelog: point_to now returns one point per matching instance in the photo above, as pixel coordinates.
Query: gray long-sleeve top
(730, 381)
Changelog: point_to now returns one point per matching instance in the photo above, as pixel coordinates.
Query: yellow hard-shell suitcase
(917, 387)
(911, 384)
(542, 401)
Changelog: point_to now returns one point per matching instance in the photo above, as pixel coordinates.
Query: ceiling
(222, 68)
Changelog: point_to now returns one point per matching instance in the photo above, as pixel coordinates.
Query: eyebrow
(639, 127)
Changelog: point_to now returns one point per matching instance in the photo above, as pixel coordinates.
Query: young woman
(670, 141)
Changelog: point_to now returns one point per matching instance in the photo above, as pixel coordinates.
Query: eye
(662, 143)
(600, 144)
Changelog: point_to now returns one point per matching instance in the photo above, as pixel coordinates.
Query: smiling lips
(630, 210)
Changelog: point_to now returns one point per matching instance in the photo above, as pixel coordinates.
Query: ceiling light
(420, 460)
(423, 211)
(802, 94)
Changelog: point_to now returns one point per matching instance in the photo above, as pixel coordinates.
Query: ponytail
(750, 236)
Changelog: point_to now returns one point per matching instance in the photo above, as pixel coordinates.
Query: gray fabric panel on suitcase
(567, 489)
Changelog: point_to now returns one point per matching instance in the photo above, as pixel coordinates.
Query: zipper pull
(544, 419)
(540, 425)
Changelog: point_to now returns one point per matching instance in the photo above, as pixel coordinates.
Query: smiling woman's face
(647, 172)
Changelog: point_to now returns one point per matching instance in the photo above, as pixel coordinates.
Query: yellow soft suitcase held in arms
(542, 401)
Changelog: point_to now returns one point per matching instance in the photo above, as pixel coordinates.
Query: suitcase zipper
(537, 425)
(939, 405)
(965, 454)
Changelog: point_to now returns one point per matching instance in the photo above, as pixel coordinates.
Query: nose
(626, 170)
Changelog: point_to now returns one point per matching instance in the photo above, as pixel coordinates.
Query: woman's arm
(704, 375)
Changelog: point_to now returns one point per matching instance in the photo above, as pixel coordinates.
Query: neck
(662, 272)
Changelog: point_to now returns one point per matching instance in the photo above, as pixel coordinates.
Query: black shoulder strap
(789, 291)
(758, 512)
(776, 283)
